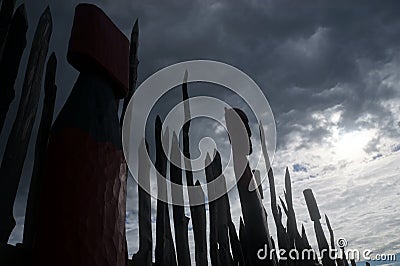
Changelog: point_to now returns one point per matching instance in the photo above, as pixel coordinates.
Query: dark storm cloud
(306, 56)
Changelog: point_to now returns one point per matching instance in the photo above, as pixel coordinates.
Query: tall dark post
(133, 68)
(227, 235)
(16, 148)
(197, 212)
(315, 217)
(83, 200)
(245, 244)
(254, 215)
(291, 221)
(50, 89)
(180, 220)
(165, 250)
(223, 215)
(213, 213)
(199, 222)
(276, 212)
(144, 255)
(10, 62)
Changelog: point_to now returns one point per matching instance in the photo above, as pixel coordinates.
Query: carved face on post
(239, 131)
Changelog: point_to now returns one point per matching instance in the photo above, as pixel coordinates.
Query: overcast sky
(331, 73)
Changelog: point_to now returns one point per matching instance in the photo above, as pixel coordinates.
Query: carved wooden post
(165, 250)
(50, 88)
(10, 62)
(83, 200)
(144, 255)
(16, 148)
(315, 217)
(197, 212)
(180, 220)
(6, 14)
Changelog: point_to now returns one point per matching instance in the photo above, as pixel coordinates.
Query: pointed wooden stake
(10, 62)
(144, 255)
(16, 148)
(180, 220)
(133, 68)
(30, 226)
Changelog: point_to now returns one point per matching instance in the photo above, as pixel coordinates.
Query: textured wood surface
(10, 62)
(17, 144)
(50, 89)
(83, 200)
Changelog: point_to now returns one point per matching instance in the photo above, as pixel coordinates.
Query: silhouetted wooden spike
(304, 235)
(339, 261)
(133, 68)
(186, 128)
(165, 250)
(227, 234)
(291, 221)
(223, 212)
(305, 245)
(276, 212)
(196, 211)
(244, 243)
(10, 62)
(315, 217)
(254, 216)
(199, 225)
(213, 212)
(367, 264)
(144, 255)
(6, 14)
(180, 220)
(332, 237)
(50, 89)
(238, 257)
(16, 148)
(275, 257)
(293, 235)
(353, 262)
